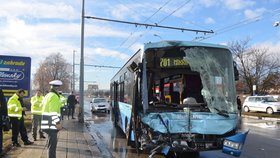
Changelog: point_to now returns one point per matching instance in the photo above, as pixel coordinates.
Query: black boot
(28, 142)
(16, 144)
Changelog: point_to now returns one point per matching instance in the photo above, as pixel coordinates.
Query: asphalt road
(263, 140)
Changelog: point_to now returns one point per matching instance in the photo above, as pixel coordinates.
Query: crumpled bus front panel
(200, 123)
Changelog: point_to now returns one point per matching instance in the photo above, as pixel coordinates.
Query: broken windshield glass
(216, 73)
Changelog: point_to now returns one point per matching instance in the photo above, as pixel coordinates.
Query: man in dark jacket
(239, 105)
(3, 117)
(71, 102)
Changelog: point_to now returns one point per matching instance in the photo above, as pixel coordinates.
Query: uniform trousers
(52, 142)
(18, 127)
(36, 122)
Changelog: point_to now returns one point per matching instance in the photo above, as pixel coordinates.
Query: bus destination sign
(172, 62)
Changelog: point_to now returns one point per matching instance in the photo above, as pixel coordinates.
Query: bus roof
(181, 43)
(162, 44)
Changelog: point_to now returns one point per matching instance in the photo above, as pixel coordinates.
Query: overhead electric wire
(101, 66)
(228, 28)
(148, 25)
(132, 33)
(161, 22)
(240, 24)
(202, 27)
(175, 11)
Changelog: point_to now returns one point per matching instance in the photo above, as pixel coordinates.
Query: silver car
(266, 104)
(100, 104)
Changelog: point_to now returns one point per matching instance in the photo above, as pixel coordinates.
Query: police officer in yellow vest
(36, 110)
(51, 123)
(15, 112)
(63, 101)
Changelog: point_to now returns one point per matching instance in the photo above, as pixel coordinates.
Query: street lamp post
(81, 118)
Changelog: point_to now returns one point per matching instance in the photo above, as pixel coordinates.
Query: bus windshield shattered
(197, 75)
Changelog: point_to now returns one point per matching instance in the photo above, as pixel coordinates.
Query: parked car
(100, 104)
(266, 104)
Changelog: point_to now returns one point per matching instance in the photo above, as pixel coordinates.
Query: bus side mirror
(132, 67)
(236, 73)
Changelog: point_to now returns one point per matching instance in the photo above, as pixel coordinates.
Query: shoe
(73, 118)
(16, 145)
(28, 143)
(35, 139)
(42, 136)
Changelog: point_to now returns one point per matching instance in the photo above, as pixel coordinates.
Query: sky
(38, 28)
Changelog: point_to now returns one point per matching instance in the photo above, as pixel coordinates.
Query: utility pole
(73, 82)
(81, 118)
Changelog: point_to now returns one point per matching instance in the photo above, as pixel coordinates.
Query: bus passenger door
(115, 103)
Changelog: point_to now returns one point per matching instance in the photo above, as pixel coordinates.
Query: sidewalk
(73, 142)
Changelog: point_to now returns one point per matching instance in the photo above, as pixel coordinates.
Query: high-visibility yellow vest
(14, 107)
(36, 105)
(51, 111)
(63, 100)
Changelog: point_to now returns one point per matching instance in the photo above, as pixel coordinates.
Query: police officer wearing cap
(51, 116)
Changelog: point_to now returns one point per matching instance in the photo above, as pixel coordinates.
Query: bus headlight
(233, 145)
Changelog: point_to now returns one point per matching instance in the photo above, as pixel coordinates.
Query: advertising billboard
(15, 74)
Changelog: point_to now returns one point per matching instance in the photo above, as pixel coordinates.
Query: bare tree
(54, 67)
(256, 65)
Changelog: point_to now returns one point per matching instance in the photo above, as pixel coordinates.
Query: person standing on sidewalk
(239, 105)
(36, 110)
(51, 117)
(71, 102)
(15, 112)
(3, 116)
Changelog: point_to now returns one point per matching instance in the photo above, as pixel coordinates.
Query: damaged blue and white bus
(178, 96)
